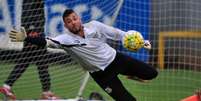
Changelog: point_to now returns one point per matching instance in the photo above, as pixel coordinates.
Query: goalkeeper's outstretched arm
(116, 34)
(20, 35)
(17, 36)
(51, 44)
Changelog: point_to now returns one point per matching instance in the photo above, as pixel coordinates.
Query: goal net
(30, 71)
(172, 26)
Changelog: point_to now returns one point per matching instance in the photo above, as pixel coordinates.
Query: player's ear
(65, 25)
(64, 22)
(80, 19)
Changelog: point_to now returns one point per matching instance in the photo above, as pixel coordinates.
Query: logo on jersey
(108, 90)
(96, 35)
(76, 41)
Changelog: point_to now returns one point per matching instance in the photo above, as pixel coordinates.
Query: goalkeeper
(34, 50)
(102, 61)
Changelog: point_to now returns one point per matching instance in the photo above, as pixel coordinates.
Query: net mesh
(172, 26)
(28, 67)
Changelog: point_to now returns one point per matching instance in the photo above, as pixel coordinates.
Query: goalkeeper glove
(17, 36)
(147, 44)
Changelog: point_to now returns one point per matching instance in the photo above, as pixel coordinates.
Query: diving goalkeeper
(34, 49)
(102, 61)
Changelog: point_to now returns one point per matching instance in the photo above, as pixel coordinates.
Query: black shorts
(124, 65)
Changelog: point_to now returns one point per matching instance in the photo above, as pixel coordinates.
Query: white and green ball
(133, 40)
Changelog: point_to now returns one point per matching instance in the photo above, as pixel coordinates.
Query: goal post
(180, 35)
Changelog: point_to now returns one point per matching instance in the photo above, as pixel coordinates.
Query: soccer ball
(133, 41)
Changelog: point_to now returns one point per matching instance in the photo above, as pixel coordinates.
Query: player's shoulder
(93, 23)
(62, 36)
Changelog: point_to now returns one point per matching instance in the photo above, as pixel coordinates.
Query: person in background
(95, 96)
(34, 49)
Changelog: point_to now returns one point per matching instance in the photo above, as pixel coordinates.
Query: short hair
(67, 12)
(95, 96)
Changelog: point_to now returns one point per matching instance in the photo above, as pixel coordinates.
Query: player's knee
(152, 75)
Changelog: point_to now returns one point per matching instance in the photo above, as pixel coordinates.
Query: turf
(170, 85)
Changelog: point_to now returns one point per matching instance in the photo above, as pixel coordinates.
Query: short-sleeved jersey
(97, 54)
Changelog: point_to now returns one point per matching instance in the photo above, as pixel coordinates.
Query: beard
(76, 30)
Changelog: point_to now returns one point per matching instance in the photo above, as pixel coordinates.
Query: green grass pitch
(170, 85)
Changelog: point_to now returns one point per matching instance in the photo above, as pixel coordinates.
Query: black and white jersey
(97, 54)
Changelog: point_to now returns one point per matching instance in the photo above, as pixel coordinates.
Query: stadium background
(54, 11)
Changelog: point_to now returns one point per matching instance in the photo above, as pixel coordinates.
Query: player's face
(73, 23)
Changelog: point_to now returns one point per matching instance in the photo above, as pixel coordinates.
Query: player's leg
(45, 81)
(33, 23)
(42, 66)
(134, 67)
(17, 71)
(44, 76)
(112, 86)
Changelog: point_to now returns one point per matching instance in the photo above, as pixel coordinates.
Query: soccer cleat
(192, 98)
(49, 96)
(137, 79)
(7, 92)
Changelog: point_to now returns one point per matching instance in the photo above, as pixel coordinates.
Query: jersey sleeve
(109, 31)
(52, 44)
(64, 39)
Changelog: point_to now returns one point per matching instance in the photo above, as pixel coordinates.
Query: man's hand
(147, 44)
(17, 36)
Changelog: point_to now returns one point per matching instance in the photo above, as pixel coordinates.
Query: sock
(6, 86)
